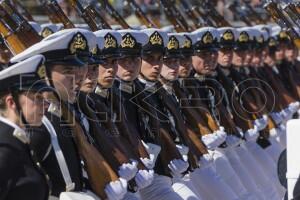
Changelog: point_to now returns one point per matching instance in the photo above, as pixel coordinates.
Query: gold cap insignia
(283, 35)
(78, 42)
(42, 72)
(228, 35)
(260, 39)
(46, 32)
(156, 39)
(244, 37)
(128, 41)
(207, 38)
(173, 43)
(187, 43)
(110, 41)
(272, 42)
(95, 50)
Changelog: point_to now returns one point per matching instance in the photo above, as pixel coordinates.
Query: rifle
(292, 12)
(90, 15)
(214, 14)
(56, 14)
(141, 15)
(282, 21)
(23, 11)
(192, 13)
(114, 14)
(253, 14)
(179, 27)
(98, 170)
(233, 7)
(171, 5)
(14, 28)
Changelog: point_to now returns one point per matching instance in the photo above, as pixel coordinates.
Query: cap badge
(78, 42)
(156, 39)
(207, 38)
(128, 41)
(42, 72)
(228, 35)
(46, 32)
(283, 35)
(110, 41)
(187, 43)
(173, 43)
(244, 37)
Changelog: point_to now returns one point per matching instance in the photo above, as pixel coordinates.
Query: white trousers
(132, 196)
(162, 189)
(247, 179)
(225, 170)
(275, 149)
(268, 168)
(210, 185)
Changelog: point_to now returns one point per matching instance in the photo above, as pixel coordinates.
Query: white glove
(276, 117)
(221, 134)
(211, 141)
(128, 170)
(144, 178)
(274, 132)
(183, 150)
(178, 166)
(233, 141)
(293, 107)
(261, 123)
(286, 114)
(153, 151)
(116, 190)
(205, 160)
(251, 134)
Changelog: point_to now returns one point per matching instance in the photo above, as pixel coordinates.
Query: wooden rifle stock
(282, 21)
(56, 14)
(291, 10)
(90, 15)
(141, 15)
(23, 10)
(114, 14)
(192, 13)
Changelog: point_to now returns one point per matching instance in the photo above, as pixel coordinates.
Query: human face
(256, 59)
(89, 84)
(33, 106)
(129, 68)
(170, 69)
(107, 72)
(186, 65)
(248, 58)
(238, 58)
(151, 66)
(290, 53)
(67, 80)
(205, 62)
(280, 52)
(225, 57)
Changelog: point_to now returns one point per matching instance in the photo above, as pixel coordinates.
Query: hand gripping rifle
(98, 170)
(282, 21)
(56, 14)
(90, 15)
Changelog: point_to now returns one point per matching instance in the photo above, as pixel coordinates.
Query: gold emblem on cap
(228, 35)
(95, 50)
(128, 41)
(272, 42)
(46, 32)
(187, 43)
(207, 38)
(155, 39)
(173, 43)
(244, 37)
(79, 42)
(110, 41)
(42, 72)
(260, 39)
(283, 35)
